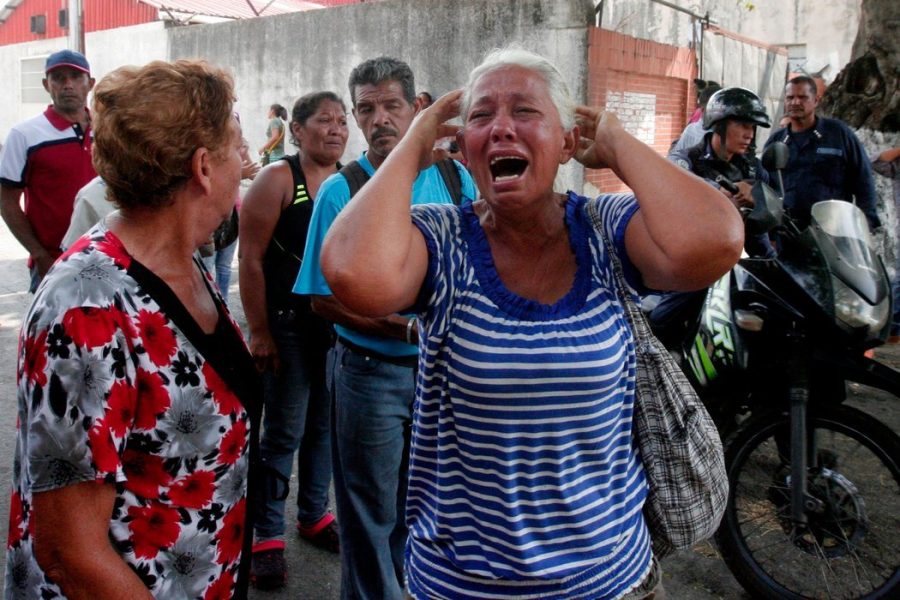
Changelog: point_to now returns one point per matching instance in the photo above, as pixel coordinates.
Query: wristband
(409, 329)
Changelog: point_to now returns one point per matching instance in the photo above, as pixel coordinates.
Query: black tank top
(285, 252)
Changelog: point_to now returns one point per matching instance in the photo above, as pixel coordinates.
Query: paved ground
(314, 574)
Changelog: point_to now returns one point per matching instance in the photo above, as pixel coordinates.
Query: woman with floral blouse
(136, 393)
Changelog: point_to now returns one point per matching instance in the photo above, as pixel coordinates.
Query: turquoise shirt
(333, 196)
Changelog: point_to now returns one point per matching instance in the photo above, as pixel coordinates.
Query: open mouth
(507, 168)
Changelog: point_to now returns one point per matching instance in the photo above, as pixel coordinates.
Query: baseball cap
(67, 58)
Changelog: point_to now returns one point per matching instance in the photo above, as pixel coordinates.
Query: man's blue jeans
(297, 415)
(372, 421)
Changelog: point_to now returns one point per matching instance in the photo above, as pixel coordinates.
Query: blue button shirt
(827, 162)
(333, 196)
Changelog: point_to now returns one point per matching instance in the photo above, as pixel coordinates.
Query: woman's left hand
(597, 129)
(430, 125)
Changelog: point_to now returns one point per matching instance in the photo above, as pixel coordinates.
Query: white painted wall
(827, 27)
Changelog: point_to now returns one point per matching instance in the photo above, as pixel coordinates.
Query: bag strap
(452, 180)
(355, 175)
(636, 318)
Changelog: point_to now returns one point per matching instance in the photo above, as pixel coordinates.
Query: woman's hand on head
(430, 125)
(597, 129)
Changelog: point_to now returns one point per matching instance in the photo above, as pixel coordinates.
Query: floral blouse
(118, 384)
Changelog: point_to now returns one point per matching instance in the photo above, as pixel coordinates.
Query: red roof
(17, 16)
(232, 9)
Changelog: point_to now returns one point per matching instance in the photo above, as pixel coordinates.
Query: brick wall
(648, 85)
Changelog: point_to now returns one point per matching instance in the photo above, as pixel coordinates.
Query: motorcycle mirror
(775, 157)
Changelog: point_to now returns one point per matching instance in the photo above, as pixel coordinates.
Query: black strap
(452, 180)
(356, 177)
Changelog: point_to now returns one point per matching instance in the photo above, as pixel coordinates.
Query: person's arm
(392, 326)
(889, 155)
(887, 163)
(260, 211)
(71, 543)
(863, 183)
(18, 224)
(277, 129)
(374, 258)
(686, 234)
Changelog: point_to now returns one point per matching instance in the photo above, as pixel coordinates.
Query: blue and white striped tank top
(524, 480)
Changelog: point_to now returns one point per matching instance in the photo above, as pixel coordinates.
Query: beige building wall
(818, 33)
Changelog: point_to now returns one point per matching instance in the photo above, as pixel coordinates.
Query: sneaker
(268, 570)
(323, 533)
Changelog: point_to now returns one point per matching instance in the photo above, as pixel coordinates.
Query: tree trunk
(866, 93)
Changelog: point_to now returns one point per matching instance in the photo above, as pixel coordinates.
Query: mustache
(381, 131)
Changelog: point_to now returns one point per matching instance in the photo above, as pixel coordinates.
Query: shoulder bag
(680, 446)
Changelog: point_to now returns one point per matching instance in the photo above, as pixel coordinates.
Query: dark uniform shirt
(703, 161)
(827, 162)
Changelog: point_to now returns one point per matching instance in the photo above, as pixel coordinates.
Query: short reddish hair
(148, 122)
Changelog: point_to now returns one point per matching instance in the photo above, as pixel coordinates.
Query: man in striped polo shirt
(48, 157)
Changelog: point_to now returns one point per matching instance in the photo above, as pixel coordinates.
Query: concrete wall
(105, 50)
(732, 61)
(277, 59)
(827, 27)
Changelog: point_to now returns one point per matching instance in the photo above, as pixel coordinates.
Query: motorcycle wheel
(849, 548)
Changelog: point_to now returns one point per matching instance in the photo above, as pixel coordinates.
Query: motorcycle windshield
(843, 235)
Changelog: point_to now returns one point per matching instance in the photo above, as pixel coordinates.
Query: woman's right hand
(265, 352)
(430, 125)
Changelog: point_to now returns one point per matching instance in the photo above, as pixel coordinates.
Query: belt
(402, 361)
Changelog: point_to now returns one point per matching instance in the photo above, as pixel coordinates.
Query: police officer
(827, 162)
(725, 156)
(731, 118)
(726, 159)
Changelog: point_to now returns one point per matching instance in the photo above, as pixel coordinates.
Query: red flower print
(15, 521)
(221, 588)
(120, 408)
(152, 528)
(152, 399)
(224, 398)
(79, 245)
(103, 448)
(230, 537)
(233, 443)
(112, 247)
(36, 358)
(123, 320)
(90, 327)
(193, 491)
(145, 474)
(159, 340)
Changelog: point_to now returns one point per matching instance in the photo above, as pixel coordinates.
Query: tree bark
(866, 93)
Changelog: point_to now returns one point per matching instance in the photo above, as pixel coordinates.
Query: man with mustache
(48, 157)
(373, 363)
(827, 161)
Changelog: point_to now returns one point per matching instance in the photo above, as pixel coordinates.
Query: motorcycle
(814, 505)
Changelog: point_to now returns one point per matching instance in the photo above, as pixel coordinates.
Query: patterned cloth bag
(680, 446)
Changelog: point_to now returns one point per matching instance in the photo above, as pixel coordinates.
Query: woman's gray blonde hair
(517, 56)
